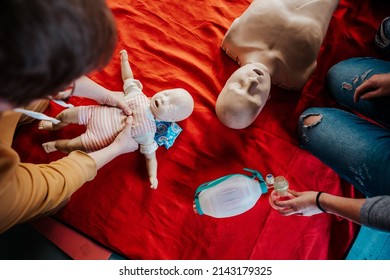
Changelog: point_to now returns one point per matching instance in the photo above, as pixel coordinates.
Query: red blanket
(175, 43)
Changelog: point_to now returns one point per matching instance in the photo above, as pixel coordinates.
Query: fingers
(375, 86)
(288, 207)
(125, 108)
(128, 127)
(130, 142)
(363, 91)
(129, 123)
(294, 193)
(283, 204)
(287, 212)
(358, 92)
(116, 99)
(120, 103)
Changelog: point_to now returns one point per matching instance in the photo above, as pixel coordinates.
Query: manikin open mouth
(258, 72)
(156, 103)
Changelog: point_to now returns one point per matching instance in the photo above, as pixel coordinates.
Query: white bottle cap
(269, 179)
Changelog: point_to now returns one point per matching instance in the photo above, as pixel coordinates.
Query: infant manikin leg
(65, 117)
(63, 145)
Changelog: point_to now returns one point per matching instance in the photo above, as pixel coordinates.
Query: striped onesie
(104, 123)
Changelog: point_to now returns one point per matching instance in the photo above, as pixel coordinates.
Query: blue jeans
(355, 148)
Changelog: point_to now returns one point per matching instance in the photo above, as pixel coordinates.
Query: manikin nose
(253, 87)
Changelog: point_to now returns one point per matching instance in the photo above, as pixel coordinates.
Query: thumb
(125, 108)
(129, 120)
(128, 125)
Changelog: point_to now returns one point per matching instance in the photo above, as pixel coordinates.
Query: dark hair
(47, 44)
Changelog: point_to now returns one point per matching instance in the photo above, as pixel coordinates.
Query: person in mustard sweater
(27, 190)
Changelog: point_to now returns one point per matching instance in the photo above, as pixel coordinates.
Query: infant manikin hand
(124, 56)
(153, 182)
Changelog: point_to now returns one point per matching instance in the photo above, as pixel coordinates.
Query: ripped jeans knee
(308, 121)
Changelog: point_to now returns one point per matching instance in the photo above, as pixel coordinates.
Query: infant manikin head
(172, 105)
(244, 95)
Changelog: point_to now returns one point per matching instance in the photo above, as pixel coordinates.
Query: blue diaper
(166, 133)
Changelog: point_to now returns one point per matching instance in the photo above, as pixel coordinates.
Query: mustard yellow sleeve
(30, 190)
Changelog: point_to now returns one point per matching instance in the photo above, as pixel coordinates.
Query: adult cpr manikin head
(244, 96)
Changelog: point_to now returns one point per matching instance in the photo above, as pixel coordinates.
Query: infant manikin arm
(151, 165)
(126, 71)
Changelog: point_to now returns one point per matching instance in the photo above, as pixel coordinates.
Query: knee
(307, 121)
(310, 117)
(337, 73)
(312, 120)
(344, 77)
(337, 68)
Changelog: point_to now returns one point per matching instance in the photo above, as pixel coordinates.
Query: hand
(116, 99)
(153, 182)
(85, 87)
(376, 86)
(123, 143)
(125, 140)
(303, 204)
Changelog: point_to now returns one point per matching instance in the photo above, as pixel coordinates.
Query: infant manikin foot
(49, 147)
(45, 125)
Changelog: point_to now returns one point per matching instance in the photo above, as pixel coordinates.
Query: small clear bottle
(280, 192)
